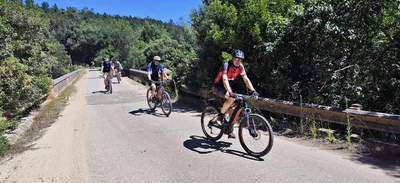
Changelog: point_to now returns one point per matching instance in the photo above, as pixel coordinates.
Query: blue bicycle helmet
(238, 54)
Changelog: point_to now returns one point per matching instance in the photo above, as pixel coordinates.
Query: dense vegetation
(323, 51)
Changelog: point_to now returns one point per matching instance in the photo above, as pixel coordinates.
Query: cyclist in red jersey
(222, 83)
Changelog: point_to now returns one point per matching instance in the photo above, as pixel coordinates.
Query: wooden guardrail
(142, 75)
(358, 118)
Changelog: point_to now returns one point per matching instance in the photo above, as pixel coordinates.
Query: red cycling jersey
(231, 71)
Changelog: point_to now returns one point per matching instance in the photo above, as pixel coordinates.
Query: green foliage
(7, 124)
(331, 137)
(28, 56)
(4, 125)
(4, 145)
(321, 50)
(348, 128)
(250, 25)
(174, 56)
(16, 85)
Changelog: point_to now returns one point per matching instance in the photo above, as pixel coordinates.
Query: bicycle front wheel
(256, 135)
(212, 128)
(166, 104)
(150, 100)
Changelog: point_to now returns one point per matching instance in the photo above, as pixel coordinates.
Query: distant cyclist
(118, 67)
(153, 69)
(106, 67)
(223, 82)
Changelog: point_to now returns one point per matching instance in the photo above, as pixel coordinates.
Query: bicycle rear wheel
(256, 135)
(150, 100)
(212, 128)
(166, 104)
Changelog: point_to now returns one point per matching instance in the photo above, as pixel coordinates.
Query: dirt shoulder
(60, 154)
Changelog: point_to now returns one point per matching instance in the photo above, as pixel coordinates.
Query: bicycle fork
(250, 123)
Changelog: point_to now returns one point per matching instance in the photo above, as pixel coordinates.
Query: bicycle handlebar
(246, 97)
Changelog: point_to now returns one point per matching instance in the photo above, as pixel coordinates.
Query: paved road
(128, 143)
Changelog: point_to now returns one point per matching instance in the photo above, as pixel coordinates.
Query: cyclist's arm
(248, 82)
(102, 67)
(226, 83)
(165, 75)
(112, 68)
(163, 71)
(149, 71)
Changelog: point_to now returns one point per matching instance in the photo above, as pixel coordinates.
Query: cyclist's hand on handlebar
(150, 82)
(255, 94)
(233, 95)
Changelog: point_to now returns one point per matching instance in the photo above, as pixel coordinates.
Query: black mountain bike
(255, 132)
(161, 97)
(109, 83)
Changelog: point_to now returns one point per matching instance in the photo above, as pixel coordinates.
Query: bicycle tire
(166, 104)
(110, 86)
(119, 78)
(150, 102)
(209, 123)
(263, 129)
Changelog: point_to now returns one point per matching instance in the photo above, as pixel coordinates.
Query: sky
(164, 10)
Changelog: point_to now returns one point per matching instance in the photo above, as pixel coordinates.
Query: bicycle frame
(161, 97)
(239, 104)
(254, 130)
(159, 89)
(108, 76)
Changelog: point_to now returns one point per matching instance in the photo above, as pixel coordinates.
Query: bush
(4, 145)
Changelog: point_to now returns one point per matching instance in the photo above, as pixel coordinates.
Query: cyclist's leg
(105, 80)
(228, 103)
(158, 90)
(221, 92)
(153, 89)
(153, 86)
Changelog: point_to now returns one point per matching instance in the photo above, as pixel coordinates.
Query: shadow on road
(391, 168)
(147, 111)
(184, 107)
(140, 112)
(202, 145)
(100, 91)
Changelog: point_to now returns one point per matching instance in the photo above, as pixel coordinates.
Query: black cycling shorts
(219, 90)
